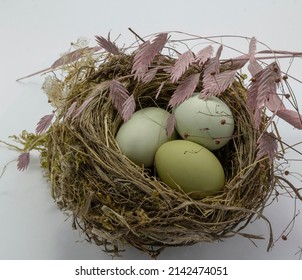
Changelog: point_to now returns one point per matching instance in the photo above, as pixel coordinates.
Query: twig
(291, 186)
(5, 167)
(299, 252)
(33, 74)
(11, 146)
(291, 223)
(135, 34)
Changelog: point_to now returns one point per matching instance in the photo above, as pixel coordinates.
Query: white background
(33, 33)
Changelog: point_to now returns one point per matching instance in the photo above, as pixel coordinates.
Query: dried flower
(267, 146)
(261, 89)
(146, 53)
(128, 108)
(83, 106)
(254, 67)
(149, 75)
(44, 123)
(170, 125)
(181, 65)
(214, 85)
(184, 90)
(204, 55)
(54, 91)
(107, 45)
(23, 161)
(118, 94)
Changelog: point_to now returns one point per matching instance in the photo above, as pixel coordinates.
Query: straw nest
(117, 203)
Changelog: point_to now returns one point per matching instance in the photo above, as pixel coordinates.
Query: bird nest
(116, 202)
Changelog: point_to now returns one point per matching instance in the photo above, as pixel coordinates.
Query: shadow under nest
(117, 203)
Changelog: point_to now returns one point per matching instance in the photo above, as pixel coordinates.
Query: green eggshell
(191, 167)
(208, 122)
(141, 136)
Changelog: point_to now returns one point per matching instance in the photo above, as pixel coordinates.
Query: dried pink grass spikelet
(83, 106)
(44, 123)
(146, 53)
(236, 63)
(23, 161)
(181, 65)
(72, 56)
(267, 146)
(107, 45)
(204, 55)
(214, 85)
(254, 67)
(275, 105)
(118, 94)
(185, 90)
(217, 59)
(149, 75)
(263, 85)
(128, 108)
(291, 117)
(170, 125)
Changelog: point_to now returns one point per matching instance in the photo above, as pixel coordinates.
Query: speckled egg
(208, 122)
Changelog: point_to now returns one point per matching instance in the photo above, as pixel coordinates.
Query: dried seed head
(284, 237)
(285, 77)
(278, 80)
(287, 96)
(253, 79)
(223, 121)
(286, 172)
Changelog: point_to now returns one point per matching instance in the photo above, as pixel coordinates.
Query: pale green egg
(208, 122)
(141, 136)
(190, 167)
